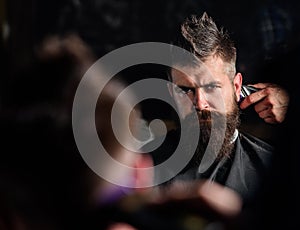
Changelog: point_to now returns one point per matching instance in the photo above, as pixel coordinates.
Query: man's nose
(200, 100)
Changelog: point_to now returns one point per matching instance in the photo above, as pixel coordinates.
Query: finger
(213, 196)
(261, 85)
(221, 199)
(120, 226)
(253, 98)
(143, 178)
(272, 115)
(275, 115)
(270, 120)
(267, 113)
(262, 106)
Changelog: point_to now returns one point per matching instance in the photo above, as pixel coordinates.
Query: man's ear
(237, 82)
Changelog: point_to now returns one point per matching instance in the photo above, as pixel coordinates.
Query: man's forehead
(196, 74)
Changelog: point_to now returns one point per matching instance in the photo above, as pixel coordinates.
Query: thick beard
(207, 120)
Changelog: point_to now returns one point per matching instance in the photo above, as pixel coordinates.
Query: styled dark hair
(202, 37)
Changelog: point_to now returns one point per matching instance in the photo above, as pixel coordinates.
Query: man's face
(205, 87)
(208, 91)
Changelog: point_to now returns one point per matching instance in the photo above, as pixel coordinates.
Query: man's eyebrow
(197, 85)
(212, 83)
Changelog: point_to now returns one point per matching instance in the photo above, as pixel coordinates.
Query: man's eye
(209, 88)
(182, 89)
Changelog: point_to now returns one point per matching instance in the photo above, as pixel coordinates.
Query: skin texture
(270, 102)
(207, 87)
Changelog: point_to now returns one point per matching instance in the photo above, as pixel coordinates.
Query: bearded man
(206, 91)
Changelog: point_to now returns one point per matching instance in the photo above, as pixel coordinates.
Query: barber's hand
(271, 102)
(179, 206)
(200, 197)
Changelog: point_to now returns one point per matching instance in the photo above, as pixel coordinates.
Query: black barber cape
(243, 171)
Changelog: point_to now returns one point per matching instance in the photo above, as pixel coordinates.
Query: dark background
(267, 37)
(262, 30)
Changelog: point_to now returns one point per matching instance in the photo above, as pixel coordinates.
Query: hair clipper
(246, 91)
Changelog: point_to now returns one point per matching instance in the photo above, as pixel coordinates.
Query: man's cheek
(219, 103)
(184, 106)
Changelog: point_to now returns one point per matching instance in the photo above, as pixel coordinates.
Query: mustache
(205, 116)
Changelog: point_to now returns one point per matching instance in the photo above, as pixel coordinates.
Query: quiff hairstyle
(202, 37)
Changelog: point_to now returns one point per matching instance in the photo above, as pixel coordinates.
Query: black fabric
(243, 171)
